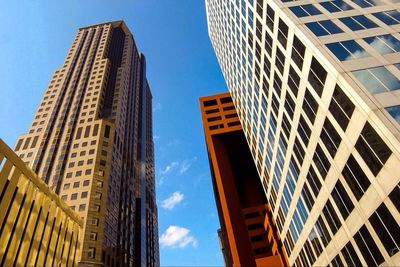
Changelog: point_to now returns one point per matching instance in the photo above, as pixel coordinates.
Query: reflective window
(342, 200)
(321, 161)
(323, 27)
(395, 196)
(331, 217)
(310, 106)
(360, 22)
(330, 138)
(372, 149)
(317, 76)
(305, 10)
(367, 3)
(350, 255)
(368, 248)
(270, 18)
(341, 107)
(355, 177)
(282, 33)
(336, 6)
(377, 80)
(298, 52)
(390, 17)
(347, 50)
(384, 44)
(395, 112)
(386, 228)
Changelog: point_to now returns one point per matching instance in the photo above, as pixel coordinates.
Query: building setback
(248, 235)
(316, 88)
(91, 142)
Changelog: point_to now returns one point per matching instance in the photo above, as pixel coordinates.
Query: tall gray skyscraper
(316, 88)
(91, 142)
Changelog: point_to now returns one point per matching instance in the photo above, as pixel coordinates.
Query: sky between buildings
(181, 67)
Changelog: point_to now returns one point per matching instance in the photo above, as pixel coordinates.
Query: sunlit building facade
(91, 142)
(316, 87)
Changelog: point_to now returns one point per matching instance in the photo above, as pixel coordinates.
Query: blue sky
(181, 67)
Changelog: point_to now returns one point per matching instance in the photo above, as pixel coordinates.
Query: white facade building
(316, 86)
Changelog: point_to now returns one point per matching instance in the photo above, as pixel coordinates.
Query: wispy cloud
(157, 107)
(186, 164)
(176, 236)
(172, 200)
(169, 168)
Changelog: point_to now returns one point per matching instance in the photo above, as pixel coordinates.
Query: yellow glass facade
(36, 227)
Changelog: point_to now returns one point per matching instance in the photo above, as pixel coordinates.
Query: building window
(377, 80)
(282, 33)
(341, 108)
(368, 248)
(342, 200)
(347, 50)
(323, 27)
(372, 149)
(394, 112)
(298, 52)
(367, 3)
(82, 207)
(360, 22)
(387, 229)
(336, 6)
(74, 196)
(305, 10)
(390, 17)
(66, 186)
(355, 178)
(317, 76)
(84, 194)
(384, 44)
(86, 182)
(76, 184)
(350, 255)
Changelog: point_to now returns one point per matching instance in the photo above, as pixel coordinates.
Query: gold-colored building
(37, 228)
(91, 142)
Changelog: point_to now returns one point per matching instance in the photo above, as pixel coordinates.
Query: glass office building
(316, 88)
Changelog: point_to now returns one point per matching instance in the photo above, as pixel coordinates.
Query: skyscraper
(248, 235)
(316, 87)
(91, 142)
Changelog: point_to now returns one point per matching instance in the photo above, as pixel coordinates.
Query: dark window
(355, 177)
(321, 161)
(209, 103)
(107, 131)
(225, 100)
(341, 108)
(313, 181)
(298, 52)
(270, 18)
(342, 200)
(212, 111)
(368, 247)
(293, 81)
(336, 6)
(323, 27)
(34, 142)
(280, 60)
(95, 130)
(268, 48)
(330, 138)
(390, 17)
(372, 149)
(298, 151)
(359, 22)
(350, 255)
(331, 217)
(387, 229)
(317, 76)
(218, 118)
(289, 105)
(305, 10)
(87, 132)
(19, 144)
(78, 133)
(308, 198)
(282, 33)
(337, 262)
(304, 131)
(395, 196)
(310, 106)
(325, 236)
(27, 141)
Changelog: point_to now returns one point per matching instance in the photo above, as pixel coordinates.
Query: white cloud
(176, 236)
(169, 167)
(157, 107)
(186, 164)
(174, 199)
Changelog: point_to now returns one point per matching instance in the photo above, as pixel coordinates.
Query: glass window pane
(384, 44)
(298, 11)
(395, 112)
(316, 28)
(377, 80)
(330, 26)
